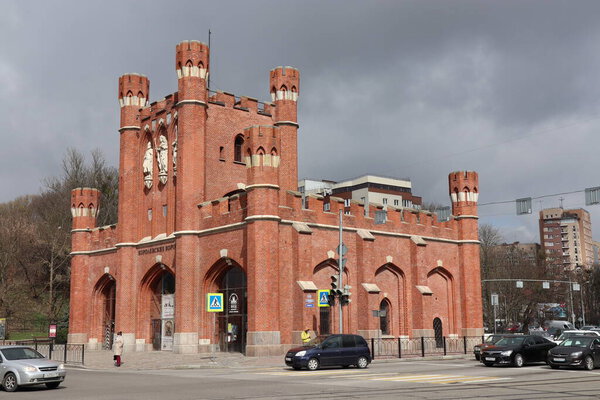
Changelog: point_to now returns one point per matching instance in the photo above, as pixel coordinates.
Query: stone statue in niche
(162, 157)
(148, 165)
(175, 153)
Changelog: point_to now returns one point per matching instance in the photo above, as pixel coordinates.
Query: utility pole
(341, 271)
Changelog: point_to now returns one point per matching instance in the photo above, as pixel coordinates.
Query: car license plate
(490, 359)
(288, 359)
(51, 375)
(559, 359)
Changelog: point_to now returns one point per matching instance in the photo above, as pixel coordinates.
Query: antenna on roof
(208, 83)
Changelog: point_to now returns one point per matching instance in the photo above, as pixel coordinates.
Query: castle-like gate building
(208, 205)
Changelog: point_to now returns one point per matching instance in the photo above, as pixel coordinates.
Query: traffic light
(331, 298)
(334, 283)
(345, 297)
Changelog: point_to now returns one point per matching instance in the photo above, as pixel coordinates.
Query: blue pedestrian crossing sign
(214, 302)
(323, 298)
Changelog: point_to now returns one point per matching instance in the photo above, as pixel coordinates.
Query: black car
(343, 350)
(517, 350)
(576, 351)
(490, 340)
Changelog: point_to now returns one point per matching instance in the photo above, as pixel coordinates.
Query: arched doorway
(162, 311)
(384, 312)
(233, 321)
(107, 290)
(438, 332)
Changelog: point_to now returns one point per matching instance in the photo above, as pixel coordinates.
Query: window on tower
(237, 152)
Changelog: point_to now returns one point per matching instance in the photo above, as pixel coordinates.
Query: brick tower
(192, 63)
(263, 172)
(285, 86)
(464, 193)
(85, 203)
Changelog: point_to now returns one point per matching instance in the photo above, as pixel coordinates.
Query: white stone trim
(123, 128)
(383, 233)
(425, 290)
(466, 217)
(191, 101)
(80, 230)
(92, 252)
(287, 123)
(263, 217)
(262, 185)
(301, 227)
(307, 286)
(371, 287)
(365, 234)
(193, 71)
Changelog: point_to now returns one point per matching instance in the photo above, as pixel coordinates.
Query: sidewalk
(103, 359)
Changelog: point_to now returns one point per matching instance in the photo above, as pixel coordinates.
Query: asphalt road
(444, 379)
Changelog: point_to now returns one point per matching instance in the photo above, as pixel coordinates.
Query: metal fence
(422, 346)
(65, 353)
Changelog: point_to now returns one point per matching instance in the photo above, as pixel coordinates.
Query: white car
(568, 334)
(23, 366)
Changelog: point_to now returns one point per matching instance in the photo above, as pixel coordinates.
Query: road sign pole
(341, 272)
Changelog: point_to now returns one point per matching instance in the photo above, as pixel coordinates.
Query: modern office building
(566, 237)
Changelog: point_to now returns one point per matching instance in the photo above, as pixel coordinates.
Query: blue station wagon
(333, 350)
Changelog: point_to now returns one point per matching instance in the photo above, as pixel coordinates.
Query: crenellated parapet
(464, 192)
(285, 84)
(192, 65)
(263, 145)
(85, 205)
(231, 212)
(134, 90)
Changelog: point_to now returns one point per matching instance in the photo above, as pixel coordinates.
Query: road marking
(438, 379)
(313, 373)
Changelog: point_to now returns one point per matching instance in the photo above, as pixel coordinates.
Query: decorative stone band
(262, 186)
(284, 95)
(268, 160)
(290, 123)
(80, 230)
(92, 252)
(466, 217)
(191, 101)
(133, 101)
(84, 211)
(263, 218)
(383, 233)
(197, 72)
(464, 196)
(129, 127)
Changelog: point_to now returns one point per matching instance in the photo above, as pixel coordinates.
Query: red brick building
(208, 204)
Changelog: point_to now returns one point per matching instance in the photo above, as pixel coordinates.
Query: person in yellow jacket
(305, 336)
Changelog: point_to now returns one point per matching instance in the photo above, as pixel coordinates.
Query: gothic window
(237, 152)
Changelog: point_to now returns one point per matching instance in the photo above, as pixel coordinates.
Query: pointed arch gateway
(157, 307)
(442, 302)
(392, 280)
(327, 320)
(103, 312)
(229, 327)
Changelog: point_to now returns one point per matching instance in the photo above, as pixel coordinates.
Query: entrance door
(439, 333)
(233, 321)
(156, 333)
(108, 315)
(325, 320)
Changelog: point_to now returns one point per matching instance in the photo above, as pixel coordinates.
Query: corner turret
(285, 88)
(192, 64)
(464, 192)
(85, 204)
(134, 91)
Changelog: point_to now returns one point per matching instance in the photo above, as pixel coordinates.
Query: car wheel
(588, 363)
(52, 385)
(488, 364)
(477, 357)
(9, 383)
(518, 361)
(313, 364)
(362, 362)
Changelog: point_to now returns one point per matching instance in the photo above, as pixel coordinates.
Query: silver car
(23, 366)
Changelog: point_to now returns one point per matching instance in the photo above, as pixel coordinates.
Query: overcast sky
(414, 89)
